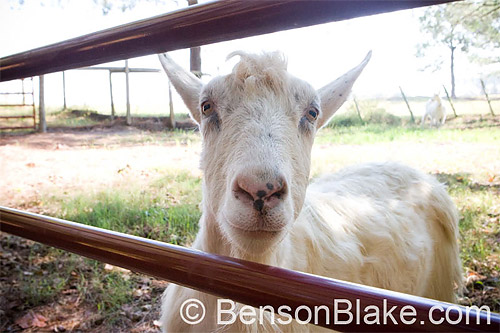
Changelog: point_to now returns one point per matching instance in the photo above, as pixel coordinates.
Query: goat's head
(258, 126)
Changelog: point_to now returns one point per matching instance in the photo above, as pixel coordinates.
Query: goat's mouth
(253, 236)
(259, 224)
(258, 233)
(254, 242)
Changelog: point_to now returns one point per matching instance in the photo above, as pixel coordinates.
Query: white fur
(384, 225)
(435, 112)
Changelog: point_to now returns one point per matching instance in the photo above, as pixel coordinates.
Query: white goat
(384, 225)
(435, 112)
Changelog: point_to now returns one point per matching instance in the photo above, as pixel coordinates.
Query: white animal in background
(435, 112)
(381, 224)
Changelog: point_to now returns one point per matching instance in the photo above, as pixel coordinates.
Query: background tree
(461, 26)
(123, 5)
(443, 25)
(483, 23)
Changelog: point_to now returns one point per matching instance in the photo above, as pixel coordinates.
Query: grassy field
(166, 208)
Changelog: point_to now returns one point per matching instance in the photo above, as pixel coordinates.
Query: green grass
(166, 210)
(479, 207)
(376, 133)
(397, 106)
(65, 118)
(37, 283)
(380, 126)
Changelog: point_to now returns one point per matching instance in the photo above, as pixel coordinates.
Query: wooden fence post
(64, 90)
(357, 109)
(129, 118)
(171, 119)
(487, 97)
(449, 100)
(111, 97)
(42, 124)
(407, 104)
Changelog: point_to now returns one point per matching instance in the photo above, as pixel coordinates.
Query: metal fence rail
(197, 25)
(242, 281)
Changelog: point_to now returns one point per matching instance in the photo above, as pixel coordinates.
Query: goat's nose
(260, 194)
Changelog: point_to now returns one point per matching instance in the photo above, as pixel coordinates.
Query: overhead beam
(122, 69)
(193, 26)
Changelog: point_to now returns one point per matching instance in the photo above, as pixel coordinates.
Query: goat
(381, 224)
(435, 112)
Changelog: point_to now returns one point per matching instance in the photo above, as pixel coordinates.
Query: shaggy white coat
(381, 224)
(435, 112)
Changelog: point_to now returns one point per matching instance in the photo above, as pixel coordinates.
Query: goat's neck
(211, 239)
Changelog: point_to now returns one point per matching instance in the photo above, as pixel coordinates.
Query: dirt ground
(33, 165)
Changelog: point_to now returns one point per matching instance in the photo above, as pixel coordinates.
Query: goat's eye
(207, 108)
(312, 114)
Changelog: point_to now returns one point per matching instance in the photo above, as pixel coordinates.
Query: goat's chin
(253, 233)
(253, 243)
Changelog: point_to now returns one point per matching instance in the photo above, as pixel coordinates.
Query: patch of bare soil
(472, 121)
(32, 164)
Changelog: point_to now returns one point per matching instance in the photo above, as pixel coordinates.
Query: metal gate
(6, 109)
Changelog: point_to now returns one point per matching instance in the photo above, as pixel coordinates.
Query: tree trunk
(195, 57)
(453, 95)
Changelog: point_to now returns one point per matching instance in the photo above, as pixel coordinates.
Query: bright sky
(317, 54)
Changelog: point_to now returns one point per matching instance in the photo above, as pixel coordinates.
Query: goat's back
(385, 225)
(435, 109)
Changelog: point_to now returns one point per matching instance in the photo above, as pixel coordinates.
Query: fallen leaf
(25, 321)
(137, 293)
(31, 319)
(473, 277)
(39, 320)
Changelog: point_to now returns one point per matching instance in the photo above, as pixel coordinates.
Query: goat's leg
(422, 123)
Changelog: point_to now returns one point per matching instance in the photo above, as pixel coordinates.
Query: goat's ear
(186, 84)
(334, 94)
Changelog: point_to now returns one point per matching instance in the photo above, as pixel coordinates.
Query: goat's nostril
(241, 194)
(261, 193)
